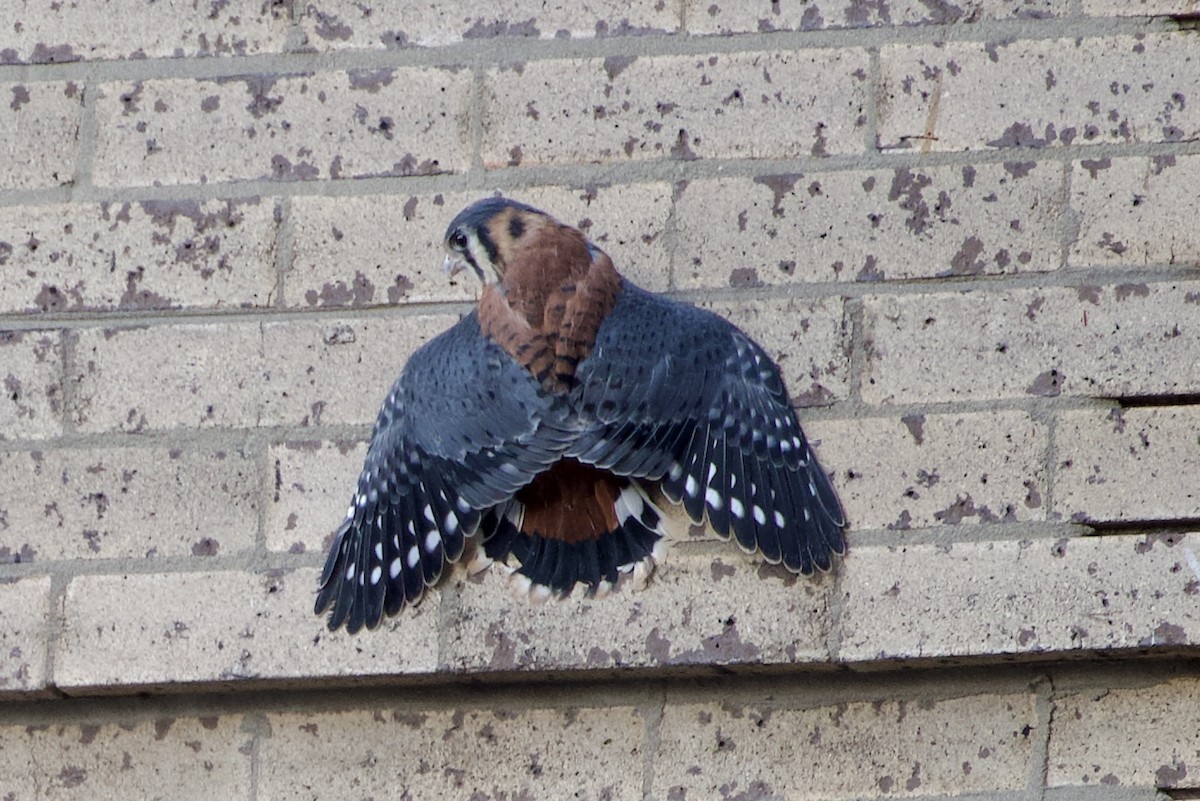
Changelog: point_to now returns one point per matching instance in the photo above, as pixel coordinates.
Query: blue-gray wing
(677, 393)
(463, 428)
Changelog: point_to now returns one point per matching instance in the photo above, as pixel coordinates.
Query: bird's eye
(458, 240)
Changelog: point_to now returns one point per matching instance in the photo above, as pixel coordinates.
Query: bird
(537, 427)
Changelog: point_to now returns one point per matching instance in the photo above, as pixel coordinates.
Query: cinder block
(937, 469)
(330, 125)
(696, 610)
(388, 249)
(314, 482)
(1128, 464)
(180, 629)
(1094, 341)
(1136, 211)
(135, 503)
(31, 373)
(954, 746)
(169, 757)
(341, 24)
(680, 107)
(501, 753)
(39, 125)
(339, 371)
(1137, 8)
(749, 16)
(298, 372)
(200, 376)
(146, 255)
(870, 225)
(991, 599)
(24, 609)
(809, 340)
(39, 33)
(1034, 94)
(1158, 727)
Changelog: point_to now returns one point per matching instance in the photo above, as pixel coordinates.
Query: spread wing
(463, 428)
(676, 393)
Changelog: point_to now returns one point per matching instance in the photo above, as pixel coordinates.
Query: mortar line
(55, 626)
(1072, 278)
(926, 682)
(501, 50)
(657, 170)
(85, 154)
(870, 133)
(855, 314)
(652, 738)
(1039, 758)
(69, 342)
(475, 112)
(284, 251)
(260, 452)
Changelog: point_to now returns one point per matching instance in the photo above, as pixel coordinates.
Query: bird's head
(486, 234)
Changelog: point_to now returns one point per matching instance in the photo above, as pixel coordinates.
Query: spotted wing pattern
(463, 428)
(676, 393)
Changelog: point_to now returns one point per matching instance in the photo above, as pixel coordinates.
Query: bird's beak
(453, 266)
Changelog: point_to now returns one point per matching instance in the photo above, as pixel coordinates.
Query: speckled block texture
(965, 230)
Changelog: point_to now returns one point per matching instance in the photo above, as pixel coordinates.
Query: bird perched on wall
(537, 422)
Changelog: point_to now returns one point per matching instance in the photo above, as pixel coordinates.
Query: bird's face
(486, 235)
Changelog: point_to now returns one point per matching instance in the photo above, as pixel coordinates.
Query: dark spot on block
(1047, 384)
(1094, 166)
(615, 65)
(371, 80)
(916, 426)
(1020, 134)
(1128, 290)
(870, 270)
(967, 261)
(744, 277)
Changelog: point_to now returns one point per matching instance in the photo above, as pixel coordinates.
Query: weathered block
(1106, 341)
(749, 16)
(1158, 728)
(871, 225)
(31, 374)
(1039, 93)
(954, 746)
(341, 24)
(929, 470)
(991, 599)
(1136, 211)
(39, 125)
(24, 636)
(169, 757)
(38, 33)
(131, 256)
(500, 752)
(183, 629)
(1128, 464)
(136, 503)
(296, 372)
(326, 126)
(680, 107)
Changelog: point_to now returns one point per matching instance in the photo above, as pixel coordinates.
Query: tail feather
(602, 545)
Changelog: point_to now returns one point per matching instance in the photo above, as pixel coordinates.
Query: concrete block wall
(966, 229)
